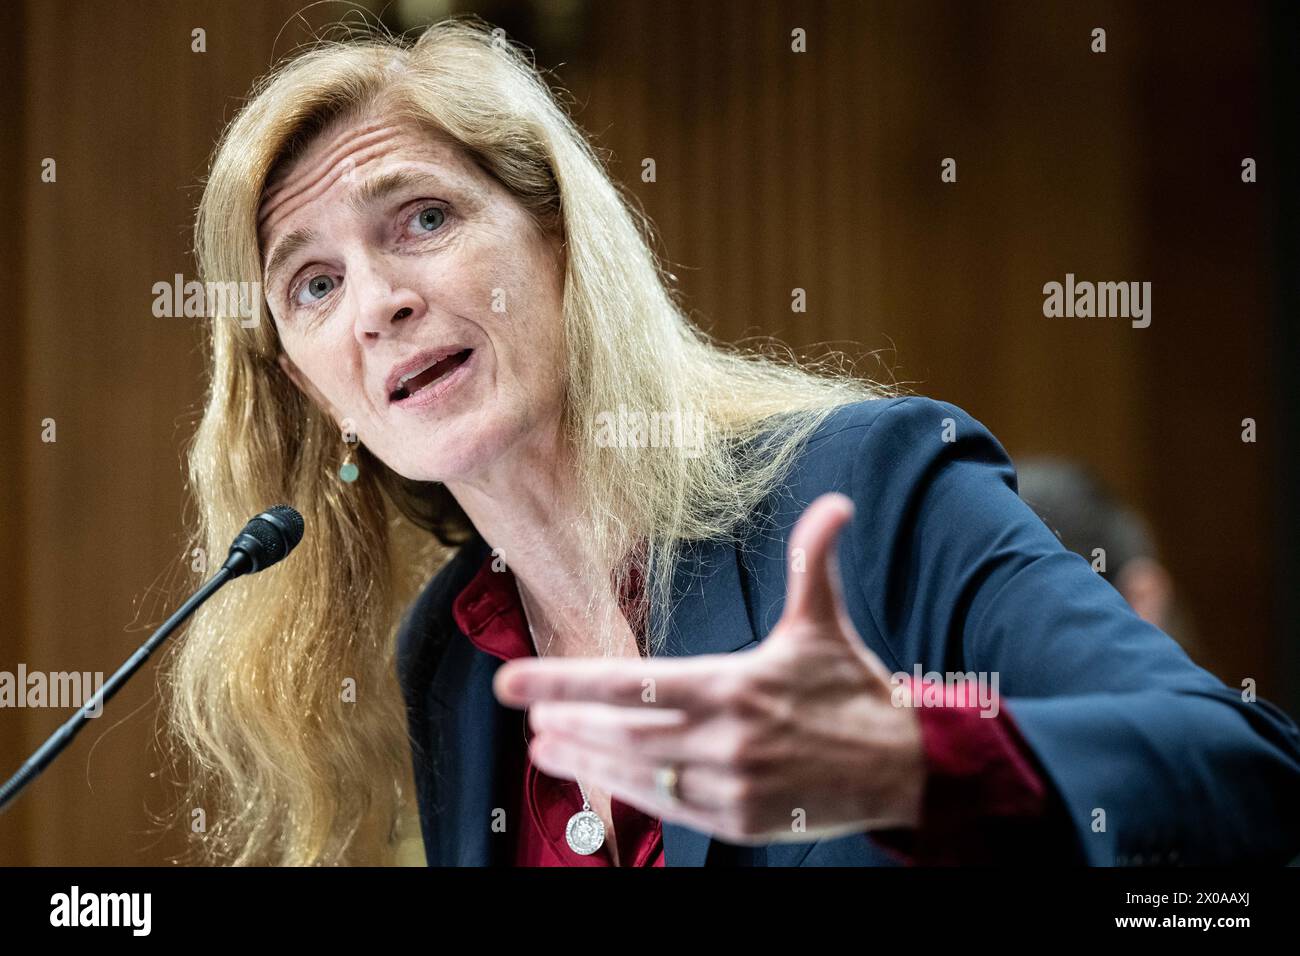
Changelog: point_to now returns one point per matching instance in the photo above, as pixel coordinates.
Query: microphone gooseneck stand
(266, 539)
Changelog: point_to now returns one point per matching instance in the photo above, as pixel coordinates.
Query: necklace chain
(528, 619)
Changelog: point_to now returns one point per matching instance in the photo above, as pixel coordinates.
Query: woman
(469, 335)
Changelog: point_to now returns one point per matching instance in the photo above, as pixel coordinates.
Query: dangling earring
(348, 471)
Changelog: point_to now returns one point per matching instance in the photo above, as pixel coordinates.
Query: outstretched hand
(794, 740)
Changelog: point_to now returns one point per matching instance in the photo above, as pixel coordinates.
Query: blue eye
(317, 287)
(431, 218)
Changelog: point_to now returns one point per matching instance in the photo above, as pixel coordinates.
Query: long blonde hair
(283, 695)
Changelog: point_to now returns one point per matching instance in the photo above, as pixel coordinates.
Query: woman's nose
(385, 300)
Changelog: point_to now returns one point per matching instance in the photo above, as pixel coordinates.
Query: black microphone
(266, 539)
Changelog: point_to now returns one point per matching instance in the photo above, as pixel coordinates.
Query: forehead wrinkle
(381, 185)
(273, 217)
(350, 139)
(365, 142)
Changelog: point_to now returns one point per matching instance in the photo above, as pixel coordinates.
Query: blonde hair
(298, 774)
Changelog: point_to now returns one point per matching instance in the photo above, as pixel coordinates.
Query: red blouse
(981, 785)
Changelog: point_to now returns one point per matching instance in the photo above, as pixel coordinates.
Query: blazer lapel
(709, 616)
(470, 734)
(469, 778)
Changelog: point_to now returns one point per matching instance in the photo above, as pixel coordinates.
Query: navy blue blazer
(1155, 760)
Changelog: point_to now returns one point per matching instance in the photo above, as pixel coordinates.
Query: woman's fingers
(694, 683)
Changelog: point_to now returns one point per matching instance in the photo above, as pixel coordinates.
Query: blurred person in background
(1092, 522)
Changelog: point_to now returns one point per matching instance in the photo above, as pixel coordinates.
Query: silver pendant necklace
(585, 832)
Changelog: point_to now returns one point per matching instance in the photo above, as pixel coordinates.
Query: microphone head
(288, 521)
(266, 539)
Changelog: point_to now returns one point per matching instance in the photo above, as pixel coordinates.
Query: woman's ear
(307, 388)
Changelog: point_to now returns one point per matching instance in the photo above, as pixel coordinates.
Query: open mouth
(422, 380)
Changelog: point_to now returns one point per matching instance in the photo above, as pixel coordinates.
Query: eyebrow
(385, 184)
(369, 192)
(285, 248)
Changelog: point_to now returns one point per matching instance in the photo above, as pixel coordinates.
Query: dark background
(775, 170)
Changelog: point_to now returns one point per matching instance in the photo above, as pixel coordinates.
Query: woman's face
(386, 252)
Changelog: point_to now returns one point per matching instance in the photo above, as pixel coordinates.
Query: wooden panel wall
(113, 93)
(821, 171)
